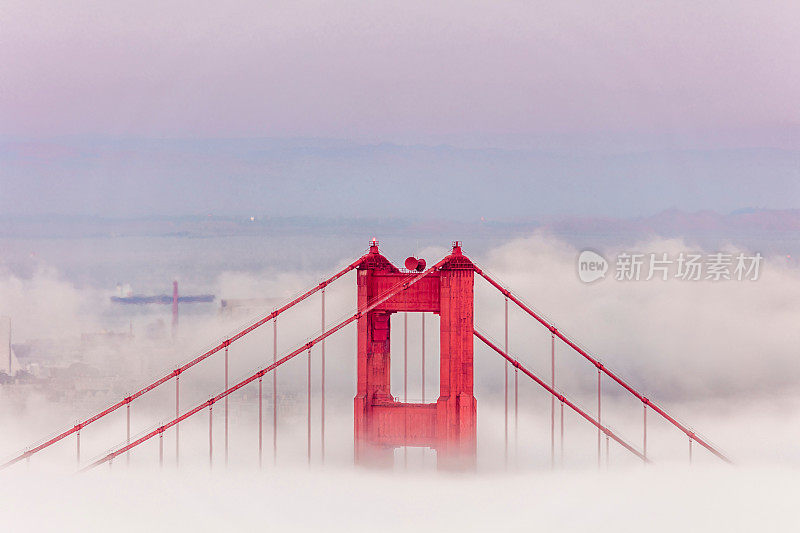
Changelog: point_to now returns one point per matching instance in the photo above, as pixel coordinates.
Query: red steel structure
(382, 423)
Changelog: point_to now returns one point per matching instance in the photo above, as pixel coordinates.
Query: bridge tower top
(381, 423)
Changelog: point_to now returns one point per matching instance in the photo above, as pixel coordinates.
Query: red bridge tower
(381, 423)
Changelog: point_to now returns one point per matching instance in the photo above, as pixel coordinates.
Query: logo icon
(591, 266)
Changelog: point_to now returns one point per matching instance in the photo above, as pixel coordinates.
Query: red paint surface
(381, 423)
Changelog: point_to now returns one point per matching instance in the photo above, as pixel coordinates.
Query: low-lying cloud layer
(697, 347)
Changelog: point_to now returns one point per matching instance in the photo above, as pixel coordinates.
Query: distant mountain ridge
(126, 178)
(677, 222)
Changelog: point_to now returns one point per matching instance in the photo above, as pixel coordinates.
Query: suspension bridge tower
(381, 422)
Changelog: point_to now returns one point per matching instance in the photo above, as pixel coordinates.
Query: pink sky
(409, 71)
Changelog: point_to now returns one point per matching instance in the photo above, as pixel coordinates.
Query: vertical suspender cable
(505, 387)
(552, 401)
(226, 407)
(322, 368)
(644, 431)
(516, 414)
(275, 393)
(561, 441)
(128, 432)
(260, 424)
(405, 389)
(210, 436)
(177, 414)
(599, 374)
(423, 372)
(308, 413)
(423, 357)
